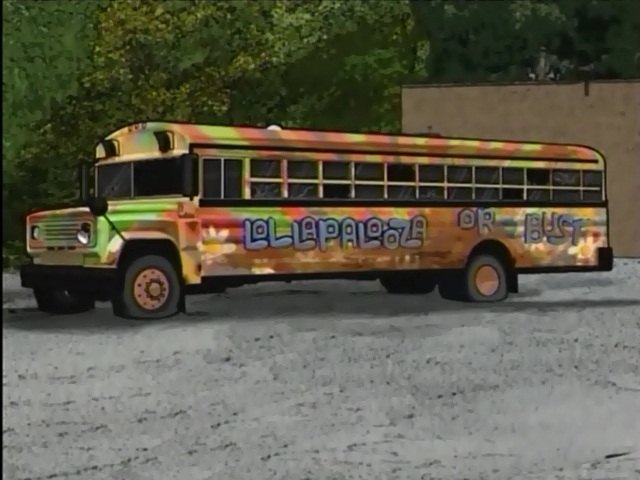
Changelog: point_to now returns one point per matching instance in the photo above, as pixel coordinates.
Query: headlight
(35, 232)
(84, 234)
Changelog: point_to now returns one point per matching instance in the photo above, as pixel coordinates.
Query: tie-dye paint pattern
(259, 240)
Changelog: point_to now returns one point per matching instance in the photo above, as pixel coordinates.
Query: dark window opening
(538, 176)
(262, 168)
(487, 175)
(114, 181)
(336, 170)
(459, 193)
(303, 190)
(431, 193)
(232, 170)
(266, 190)
(369, 191)
(212, 178)
(512, 176)
(333, 190)
(157, 177)
(459, 174)
(592, 179)
(513, 193)
(369, 171)
(397, 172)
(401, 192)
(431, 173)
(566, 178)
(592, 195)
(566, 195)
(538, 194)
(487, 194)
(303, 169)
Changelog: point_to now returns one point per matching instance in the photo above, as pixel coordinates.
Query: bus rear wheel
(408, 284)
(151, 289)
(484, 280)
(58, 301)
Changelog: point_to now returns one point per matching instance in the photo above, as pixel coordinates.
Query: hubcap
(151, 289)
(487, 280)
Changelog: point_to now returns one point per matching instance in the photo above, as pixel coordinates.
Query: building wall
(605, 115)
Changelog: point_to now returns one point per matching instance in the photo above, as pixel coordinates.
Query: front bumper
(89, 279)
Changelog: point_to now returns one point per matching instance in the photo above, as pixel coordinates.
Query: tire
(486, 279)
(63, 301)
(151, 290)
(408, 284)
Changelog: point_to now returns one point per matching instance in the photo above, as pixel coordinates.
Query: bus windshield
(143, 178)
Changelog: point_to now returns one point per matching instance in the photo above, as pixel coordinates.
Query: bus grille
(60, 233)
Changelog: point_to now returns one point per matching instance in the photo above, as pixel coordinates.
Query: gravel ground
(331, 380)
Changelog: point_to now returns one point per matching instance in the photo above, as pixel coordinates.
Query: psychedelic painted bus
(168, 209)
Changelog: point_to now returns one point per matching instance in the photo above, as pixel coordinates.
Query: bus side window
(212, 178)
(567, 195)
(401, 172)
(538, 176)
(487, 176)
(401, 192)
(512, 183)
(592, 179)
(566, 178)
(369, 172)
(372, 192)
(264, 168)
(431, 173)
(336, 170)
(592, 186)
(232, 171)
(303, 190)
(336, 190)
(459, 174)
(266, 190)
(302, 169)
(459, 193)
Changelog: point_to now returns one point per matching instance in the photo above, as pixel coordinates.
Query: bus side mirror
(84, 176)
(189, 163)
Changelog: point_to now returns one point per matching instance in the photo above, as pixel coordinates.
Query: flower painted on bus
(262, 266)
(585, 250)
(214, 244)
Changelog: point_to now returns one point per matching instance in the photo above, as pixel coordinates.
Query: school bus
(168, 209)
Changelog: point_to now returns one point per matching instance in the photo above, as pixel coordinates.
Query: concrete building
(602, 114)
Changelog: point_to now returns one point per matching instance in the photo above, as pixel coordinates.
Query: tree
(493, 40)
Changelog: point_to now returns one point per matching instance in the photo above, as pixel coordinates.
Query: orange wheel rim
(151, 289)
(487, 280)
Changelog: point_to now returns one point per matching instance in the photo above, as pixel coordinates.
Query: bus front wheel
(151, 289)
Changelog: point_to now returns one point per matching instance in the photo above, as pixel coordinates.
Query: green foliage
(494, 40)
(75, 70)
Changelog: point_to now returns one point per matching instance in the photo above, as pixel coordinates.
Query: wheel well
(500, 251)
(137, 248)
(495, 248)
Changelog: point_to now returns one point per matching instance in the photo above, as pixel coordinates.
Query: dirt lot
(331, 380)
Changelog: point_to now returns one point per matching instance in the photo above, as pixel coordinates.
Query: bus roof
(195, 135)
